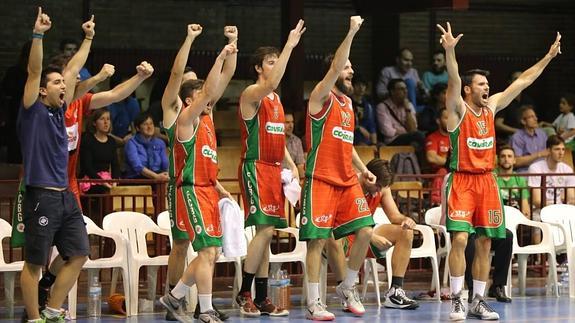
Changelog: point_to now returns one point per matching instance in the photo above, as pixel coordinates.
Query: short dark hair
(505, 147)
(524, 108)
(96, 114)
(260, 54)
(141, 118)
(67, 41)
(440, 112)
(554, 140)
(357, 80)
(382, 171)
(47, 71)
(438, 88)
(188, 87)
(437, 52)
(392, 82)
(570, 98)
(467, 76)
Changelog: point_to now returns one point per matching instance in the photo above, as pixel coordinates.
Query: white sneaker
(457, 308)
(481, 310)
(351, 298)
(317, 311)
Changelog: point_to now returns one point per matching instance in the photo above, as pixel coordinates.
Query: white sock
(350, 277)
(205, 302)
(456, 284)
(479, 287)
(312, 292)
(180, 290)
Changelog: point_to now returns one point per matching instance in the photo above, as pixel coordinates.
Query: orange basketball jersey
(473, 142)
(263, 137)
(329, 140)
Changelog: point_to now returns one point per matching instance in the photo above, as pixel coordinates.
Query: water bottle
(564, 282)
(273, 290)
(95, 298)
(284, 290)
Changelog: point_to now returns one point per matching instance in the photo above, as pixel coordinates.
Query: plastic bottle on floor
(95, 298)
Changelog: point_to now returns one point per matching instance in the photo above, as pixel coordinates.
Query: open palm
(447, 40)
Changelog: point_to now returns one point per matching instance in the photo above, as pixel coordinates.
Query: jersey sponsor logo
(251, 192)
(275, 128)
(210, 153)
(480, 143)
(324, 218)
(342, 134)
(270, 208)
(459, 214)
(191, 208)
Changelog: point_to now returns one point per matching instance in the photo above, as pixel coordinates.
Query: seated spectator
(528, 142)
(436, 153)
(426, 119)
(365, 128)
(123, 113)
(403, 69)
(98, 157)
(293, 145)
(513, 189)
(396, 118)
(558, 189)
(508, 120)
(438, 72)
(145, 153)
(564, 124)
(69, 47)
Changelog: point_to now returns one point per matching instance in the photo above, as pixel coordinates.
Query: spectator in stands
(12, 90)
(436, 153)
(365, 128)
(558, 189)
(438, 72)
(513, 189)
(396, 118)
(293, 144)
(426, 119)
(403, 69)
(528, 142)
(508, 120)
(123, 114)
(145, 153)
(69, 47)
(98, 158)
(564, 124)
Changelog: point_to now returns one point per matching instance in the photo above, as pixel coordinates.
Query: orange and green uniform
(373, 201)
(193, 198)
(472, 201)
(332, 198)
(263, 149)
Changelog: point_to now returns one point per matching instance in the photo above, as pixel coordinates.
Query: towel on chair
(292, 190)
(232, 220)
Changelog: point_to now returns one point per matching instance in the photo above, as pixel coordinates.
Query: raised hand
(194, 30)
(145, 69)
(355, 23)
(556, 47)
(107, 71)
(228, 50)
(447, 40)
(231, 33)
(89, 28)
(42, 23)
(295, 34)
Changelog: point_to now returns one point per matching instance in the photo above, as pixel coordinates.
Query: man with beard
(472, 201)
(261, 117)
(333, 203)
(438, 73)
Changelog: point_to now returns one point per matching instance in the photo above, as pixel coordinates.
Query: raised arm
(231, 33)
(501, 100)
(454, 102)
(123, 90)
(322, 89)
(75, 64)
(32, 87)
(170, 100)
(254, 93)
(84, 86)
(206, 95)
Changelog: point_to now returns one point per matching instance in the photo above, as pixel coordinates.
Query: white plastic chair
(513, 218)
(433, 219)
(118, 260)
(134, 226)
(8, 270)
(562, 219)
(426, 250)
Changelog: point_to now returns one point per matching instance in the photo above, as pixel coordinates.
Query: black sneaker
(499, 293)
(396, 298)
(221, 315)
